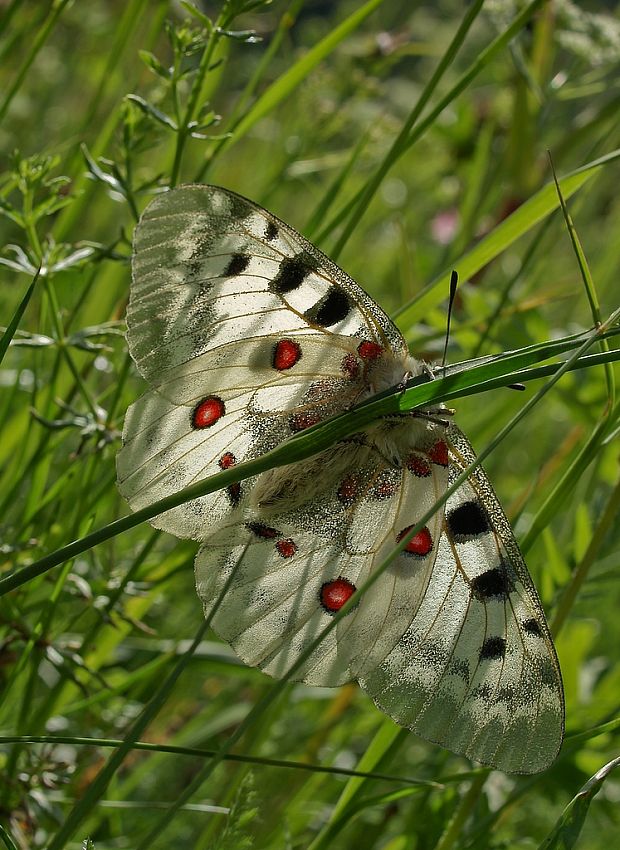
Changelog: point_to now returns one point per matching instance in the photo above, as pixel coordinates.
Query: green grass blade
(200, 752)
(566, 831)
(609, 516)
(588, 284)
(9, 333)
(402, 141)
(332, 192)
(6, 839)
(530, 213)
(286, 84)
(558, 495)
(307, 443)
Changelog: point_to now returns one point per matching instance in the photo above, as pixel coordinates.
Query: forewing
(211, 268)
(247, 334)
(476, 671)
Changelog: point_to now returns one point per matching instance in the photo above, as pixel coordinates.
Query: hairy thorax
(390, 440)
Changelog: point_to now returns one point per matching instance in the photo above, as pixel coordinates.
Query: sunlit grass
(411, 142)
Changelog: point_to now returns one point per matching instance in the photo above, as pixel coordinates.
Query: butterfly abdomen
(287, 487)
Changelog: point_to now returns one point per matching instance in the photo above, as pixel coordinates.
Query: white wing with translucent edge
(476, 670)
(247, 334)
(211, 268)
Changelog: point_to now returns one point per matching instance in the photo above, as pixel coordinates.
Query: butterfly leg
(433, 414)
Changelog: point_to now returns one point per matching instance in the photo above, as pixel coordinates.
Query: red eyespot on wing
(207, 412)
(286, 548)
(227, 460)
(285, 354)
(350, 366)
(335, 593)
(420, 544)
(369, 350)
(263, 531)
(439, 453)
(300, 421)
(419, 467)
(347, 491)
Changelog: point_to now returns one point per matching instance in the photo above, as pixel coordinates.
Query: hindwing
(476, 669)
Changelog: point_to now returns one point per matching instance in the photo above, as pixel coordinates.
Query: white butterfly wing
(211, 268)
(247, 334)
(476, 671)
(294, 569)
(216, 423)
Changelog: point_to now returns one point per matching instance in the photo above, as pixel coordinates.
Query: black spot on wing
(467, 521)
(271, 231)
(233, 491)
(291, 273)
(333, 307)
(532, 627)
(493, 647)
(239, 207)
(264, 531)
(238, 263)
(492, 584)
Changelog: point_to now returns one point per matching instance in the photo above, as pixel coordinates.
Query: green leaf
(247, 36)
(152, 63)
(291, 79)
(6, 839)
(98, 173)
(196, 13)
(530, 213)
(152, 111)
(11, 213)
(566, 832)
(14, 323)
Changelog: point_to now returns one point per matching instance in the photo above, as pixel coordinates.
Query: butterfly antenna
(454, 279)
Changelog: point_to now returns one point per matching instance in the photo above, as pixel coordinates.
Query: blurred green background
(299, 107)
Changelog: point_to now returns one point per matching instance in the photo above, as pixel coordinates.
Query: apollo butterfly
(248, 334)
